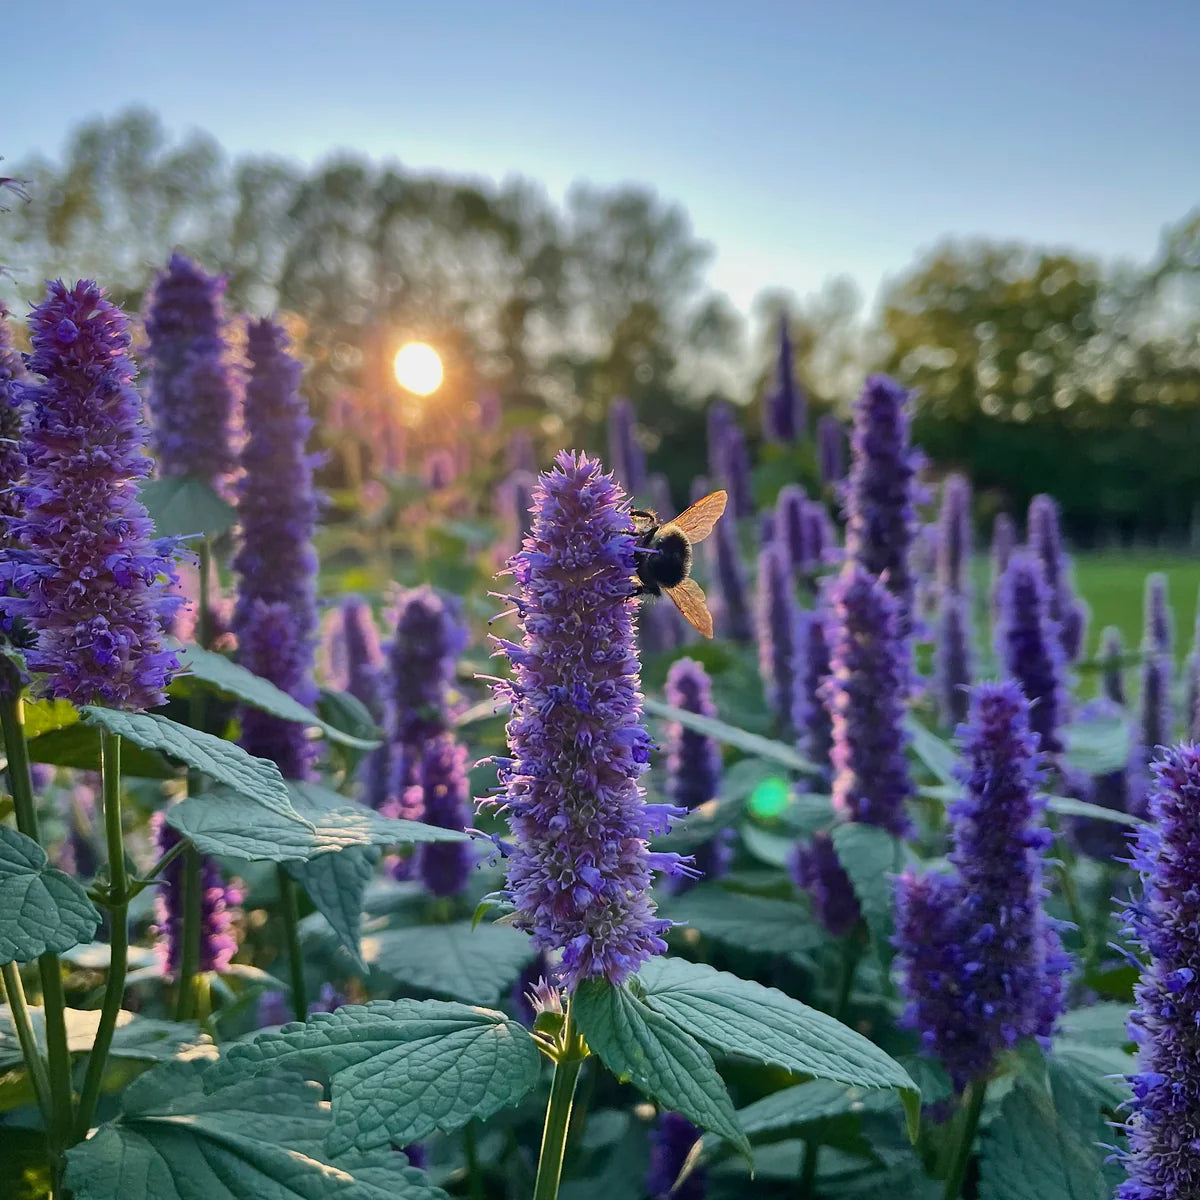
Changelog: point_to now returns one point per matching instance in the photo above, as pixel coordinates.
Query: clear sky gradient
(805, 139)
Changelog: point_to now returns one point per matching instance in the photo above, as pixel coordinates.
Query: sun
(418, 368)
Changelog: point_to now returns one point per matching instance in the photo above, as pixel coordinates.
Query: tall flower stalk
(784, 402)
(776, 617)
(275, 617)
(624, 451)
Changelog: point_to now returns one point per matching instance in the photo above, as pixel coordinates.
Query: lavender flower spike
(1004, 542)
(882, 492)
(831, 449)
(694, 760)
(865, 694)
(218, 905)
(729, 458)
(776, 617)
(94, 586)
(444, 866)
(627, 456)
(954, 537)
(1045, 540)
(192, 397)
(275, 617)
(809, 713)
(982, 966)
(784, 402)
(952, 658)
(733, 610)
(671, 1144)
(580, 873)
(1159, 620)
(1030, 650)
(354, 657)
(1164, 1156)
(12, 457)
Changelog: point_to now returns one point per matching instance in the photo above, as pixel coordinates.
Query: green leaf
(181, 506)
(41, 716)
(400, 1069)
(755, 923)
(78, 745)
(1068, 806)
(254, 1139)
(473, 964)
(1045, 1147)
(41, 909)
(336, 884)
(662, 1060)
(1098, 745)
(324, 821)
(735, 1016)
(936, 754)
(816, 1109)
(254, 779)
(870, 857)
(751, 743)
(233, 681)
(1103, 1024)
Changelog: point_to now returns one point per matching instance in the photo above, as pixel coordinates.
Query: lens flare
(418, 368)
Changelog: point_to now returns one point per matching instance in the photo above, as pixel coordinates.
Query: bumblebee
(664, 551)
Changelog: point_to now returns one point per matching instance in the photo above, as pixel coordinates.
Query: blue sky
(805, 139)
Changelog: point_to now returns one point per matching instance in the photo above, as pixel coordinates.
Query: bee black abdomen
(670, 566)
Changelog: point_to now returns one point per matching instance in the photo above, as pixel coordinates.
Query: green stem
(118, 922)
(290, 906)
(474, 1177)
(973, 1106)
(204, 630)
(19, 1012)
(852, 948)
(54, 1002)
(189, 958)
(558, 1114)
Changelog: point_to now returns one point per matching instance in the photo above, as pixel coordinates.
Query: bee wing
(689, 599)
(697, 522)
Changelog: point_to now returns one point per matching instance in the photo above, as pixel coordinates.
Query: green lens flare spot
(770, 798)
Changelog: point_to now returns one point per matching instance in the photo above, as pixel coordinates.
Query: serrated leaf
(400, 1069)
(78, 745)
(255, 779)
(662, 1060)
(325, 821)
(870, 857)
(821, 1110)
(1045, 1147)
(755, 923)
(935, 753)
(254, 1139)
(41, 909)
(336, 884)
(736, 1016)
(473, 964)
(1104, 1024)
(181, 506)
(235, 682)
(730, 735)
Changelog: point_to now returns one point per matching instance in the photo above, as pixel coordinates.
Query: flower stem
(189, 957)
(558, 1113)
(118, 922)
(972, 1107)
(291, 928)
(474, 1176)
(852, 948)
(14, 990)
(54, 1002)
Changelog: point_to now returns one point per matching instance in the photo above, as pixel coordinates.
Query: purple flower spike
(777, 616)
(1112, 654)
(952, 658)
(353, 655)
(733, 619)
(882, 492)
(219, 904)
(1004, 542)
(831, 449)
(954, 542)
(794, 528)
(439, 469)
(12, 456)
(93, 586)
(1156, 717)
(1045, 540)
(817, 869)
(670, 1144)
(982, 966)
(444, 866)
(519, 453)
(1159, 620)
(1164, 1157)
(580, 872)
(810, 714)
(694, 760)
(729, 459)
(865, 695)
(429, 637)
(1030, 650)
(624, 451)
(192, 396)
(784, 402)
(275, 617)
